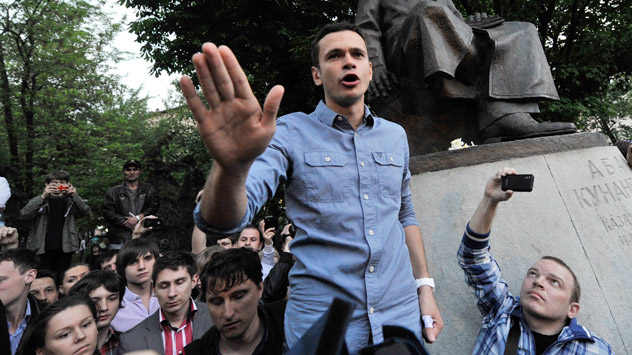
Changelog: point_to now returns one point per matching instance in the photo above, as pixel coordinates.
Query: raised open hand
(234, 128)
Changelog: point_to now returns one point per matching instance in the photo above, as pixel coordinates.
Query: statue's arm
(368, 20)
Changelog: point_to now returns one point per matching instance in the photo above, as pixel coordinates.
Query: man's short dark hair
(106, 255)
(132, 250)
(232, 267)
(23, 259)
(97, 278)
(172, 261)
(43, 273)
(58, 175)
(576, 292)
(331, 28)
(623, 147)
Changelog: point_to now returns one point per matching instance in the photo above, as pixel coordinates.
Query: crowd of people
(255, 288)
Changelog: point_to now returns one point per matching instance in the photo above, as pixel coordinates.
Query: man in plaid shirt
(542, 319)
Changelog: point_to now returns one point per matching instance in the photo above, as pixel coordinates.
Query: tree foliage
(587, 42)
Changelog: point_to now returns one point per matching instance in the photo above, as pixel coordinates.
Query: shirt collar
(190, 316)
(327, 116)
(129, 295)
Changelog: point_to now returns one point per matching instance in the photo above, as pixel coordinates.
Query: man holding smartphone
(542, 319)
(346, 188)
(125, 205)
(54, 236)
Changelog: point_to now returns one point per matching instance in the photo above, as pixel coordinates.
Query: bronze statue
(499, 64)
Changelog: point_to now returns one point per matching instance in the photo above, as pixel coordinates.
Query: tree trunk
(5, 99)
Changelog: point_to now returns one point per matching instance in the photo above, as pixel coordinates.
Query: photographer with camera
(54, 236)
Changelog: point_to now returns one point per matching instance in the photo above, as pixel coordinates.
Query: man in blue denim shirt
(542, 320)
(346, 188)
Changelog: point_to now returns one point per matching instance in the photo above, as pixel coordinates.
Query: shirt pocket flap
(385, 158)
(315, 159)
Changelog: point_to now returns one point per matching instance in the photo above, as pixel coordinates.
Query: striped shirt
(175, 339)
(500, 309)
(111, 343)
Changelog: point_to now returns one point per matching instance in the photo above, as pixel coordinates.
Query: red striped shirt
(175, 339)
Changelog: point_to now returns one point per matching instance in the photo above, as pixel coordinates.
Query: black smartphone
(520, 182)
(270, 222)
(152, 222)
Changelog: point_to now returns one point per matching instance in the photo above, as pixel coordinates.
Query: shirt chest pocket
(390, 172)
(326, 176)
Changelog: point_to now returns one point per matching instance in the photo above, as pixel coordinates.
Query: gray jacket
(38, 208)
(148, 333)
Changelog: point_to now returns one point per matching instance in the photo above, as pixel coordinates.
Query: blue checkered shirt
(499, 308)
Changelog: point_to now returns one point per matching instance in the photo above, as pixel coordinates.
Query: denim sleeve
(267, 172)
(482, 273)
(407, 215)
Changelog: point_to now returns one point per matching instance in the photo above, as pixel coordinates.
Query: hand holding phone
(152, 222)
(519, 182)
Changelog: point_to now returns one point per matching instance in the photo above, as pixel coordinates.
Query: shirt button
(361, 163)
(371, 310)
(370, 231)
(327, 159)
(355, 134)
(390, 158)
(339, 118)
(366, 197)
(371, 268)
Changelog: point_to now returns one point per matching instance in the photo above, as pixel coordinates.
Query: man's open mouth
(350, 80)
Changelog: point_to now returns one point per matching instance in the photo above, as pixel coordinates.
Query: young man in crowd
(542, 319)
(125, 205)
(106, 289)
(54, 236)
(232, 281)
(179, 320)
(135, 263)
(347, 187)
(44, 287)
(107, 260)
(18, 269)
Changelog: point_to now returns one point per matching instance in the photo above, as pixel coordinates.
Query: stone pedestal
(580, 210)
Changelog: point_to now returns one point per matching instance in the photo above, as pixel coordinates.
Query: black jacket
(276, 284)
(275, 336)
(5, 345)
(117, 207)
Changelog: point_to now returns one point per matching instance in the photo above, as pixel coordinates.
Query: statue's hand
(383, 81)
(482, 21)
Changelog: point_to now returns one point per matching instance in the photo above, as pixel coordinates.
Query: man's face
(107, 304)
(249, 238)
(173, 290)
(234, 311)
(60, 187)
(225, 243)
(109, 265)
(345, 70)
(131, 173)
(546, 292)
(44, 289)
(13, 284)
(71, 276)
(139, 271)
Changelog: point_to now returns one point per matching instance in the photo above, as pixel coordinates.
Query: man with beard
(125, 205)
(542, 319)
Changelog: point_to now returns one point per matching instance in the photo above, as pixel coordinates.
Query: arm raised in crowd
(234, 129)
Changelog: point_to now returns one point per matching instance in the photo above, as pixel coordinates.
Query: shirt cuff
(208, 229)
(475, 240)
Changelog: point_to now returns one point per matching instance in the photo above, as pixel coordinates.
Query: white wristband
(425, 281)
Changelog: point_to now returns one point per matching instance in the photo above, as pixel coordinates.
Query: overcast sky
(135, 70)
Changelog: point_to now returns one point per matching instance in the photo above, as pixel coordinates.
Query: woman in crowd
(67, 326)
(71, 276)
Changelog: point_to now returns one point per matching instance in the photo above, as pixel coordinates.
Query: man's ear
(370, 71)
(194, 281)
(316, 76)
(260, 289)
(30, 276)
(573, 309)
